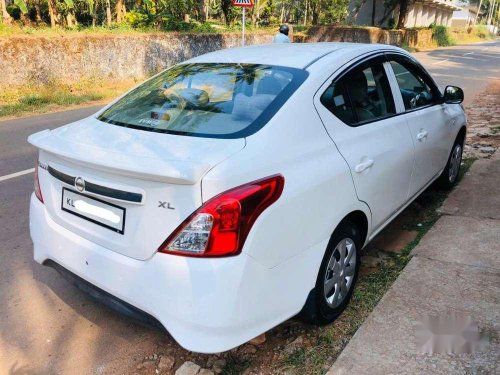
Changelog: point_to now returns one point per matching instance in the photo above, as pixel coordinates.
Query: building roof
(294, 55)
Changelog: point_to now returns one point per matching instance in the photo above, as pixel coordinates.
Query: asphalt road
(48, 326)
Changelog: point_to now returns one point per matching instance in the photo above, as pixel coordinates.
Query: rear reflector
(38, 191)
(221, 226)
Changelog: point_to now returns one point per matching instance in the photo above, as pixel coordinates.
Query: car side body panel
(318, 191)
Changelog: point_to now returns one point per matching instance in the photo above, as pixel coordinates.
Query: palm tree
(70, 16)
(54, 16)
(108, 13)
(120, 11)
(93, 11)
(478, 11)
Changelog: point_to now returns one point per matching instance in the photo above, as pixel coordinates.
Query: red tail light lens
(221, 226)
(38, 191)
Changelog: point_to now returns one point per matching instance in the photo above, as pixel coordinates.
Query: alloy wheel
(455, 160)
(340, 272)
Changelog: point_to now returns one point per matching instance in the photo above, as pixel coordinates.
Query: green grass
(331, 340)
(134, 27)
(35, 103)
(40, 98)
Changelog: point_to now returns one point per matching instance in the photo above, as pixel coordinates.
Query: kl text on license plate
(94, 210)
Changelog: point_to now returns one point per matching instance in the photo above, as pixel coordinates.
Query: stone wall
(71, 57)
(421, 38)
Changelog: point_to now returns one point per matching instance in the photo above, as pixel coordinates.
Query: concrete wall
(25, 59)
(69, 58)
(411, 38)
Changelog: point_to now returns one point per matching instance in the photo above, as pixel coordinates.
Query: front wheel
(336, 277)
(449, 176)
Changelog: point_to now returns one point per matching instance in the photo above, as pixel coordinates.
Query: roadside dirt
(483, 136)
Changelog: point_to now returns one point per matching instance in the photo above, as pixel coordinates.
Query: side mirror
(453, 95)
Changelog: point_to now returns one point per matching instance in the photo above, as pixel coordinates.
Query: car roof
(293, 55)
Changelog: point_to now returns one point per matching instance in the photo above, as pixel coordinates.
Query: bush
(137, 19)
(481, 31)
(441, 36)
(14, 11)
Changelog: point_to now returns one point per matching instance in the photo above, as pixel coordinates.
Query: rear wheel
(336, 277)
(449, 176)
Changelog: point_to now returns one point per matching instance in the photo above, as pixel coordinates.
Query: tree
(120, 11)
(38, 11)
(404, 7)
(334, 11)
(92, 5)
(478, 11)
(227, 11)
(53, 14)
(6, 18)
(109, 20)
(70, 13)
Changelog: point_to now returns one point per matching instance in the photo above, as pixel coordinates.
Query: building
(466, 16)
(420, 14)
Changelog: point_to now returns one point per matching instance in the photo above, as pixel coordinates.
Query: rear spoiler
(145, 168)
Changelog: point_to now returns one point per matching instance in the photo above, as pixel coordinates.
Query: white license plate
(94, 210)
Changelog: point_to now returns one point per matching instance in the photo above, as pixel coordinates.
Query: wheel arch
(461, 135)
(360, 220)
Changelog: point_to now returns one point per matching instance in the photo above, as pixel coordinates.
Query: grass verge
(476, 34)
(38, 98)
(326, 343)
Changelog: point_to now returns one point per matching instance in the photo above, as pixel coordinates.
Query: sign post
(243, 4)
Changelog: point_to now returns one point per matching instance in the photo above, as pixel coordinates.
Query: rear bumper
(207, 305)
(105, 298)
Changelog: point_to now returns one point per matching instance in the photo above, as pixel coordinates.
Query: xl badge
(165, 205)
(80, 184)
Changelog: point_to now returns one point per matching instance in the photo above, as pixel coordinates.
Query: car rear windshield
(207, 100)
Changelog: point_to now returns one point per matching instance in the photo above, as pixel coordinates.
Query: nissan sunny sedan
(237, 189)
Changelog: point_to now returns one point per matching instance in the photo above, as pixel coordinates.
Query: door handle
(422, 135)
(363, 166)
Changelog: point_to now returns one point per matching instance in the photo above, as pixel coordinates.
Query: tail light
(38, 191)
(220, 227)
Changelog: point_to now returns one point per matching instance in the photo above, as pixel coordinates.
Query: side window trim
(396, 92)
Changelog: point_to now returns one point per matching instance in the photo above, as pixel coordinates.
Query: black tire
(317, 310)
(449, 176)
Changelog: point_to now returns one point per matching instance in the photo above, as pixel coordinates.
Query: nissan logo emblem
(80, 184)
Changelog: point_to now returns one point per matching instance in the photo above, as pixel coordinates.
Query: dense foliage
(177, 15)
(211, 15)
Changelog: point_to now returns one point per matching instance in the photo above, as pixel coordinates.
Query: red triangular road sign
(243, 3)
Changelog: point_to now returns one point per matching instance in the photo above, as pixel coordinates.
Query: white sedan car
(235, 190)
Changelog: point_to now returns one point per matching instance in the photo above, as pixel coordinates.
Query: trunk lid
(148, 182)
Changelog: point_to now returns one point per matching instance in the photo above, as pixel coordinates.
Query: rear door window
(208, 100)
(360, 96)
